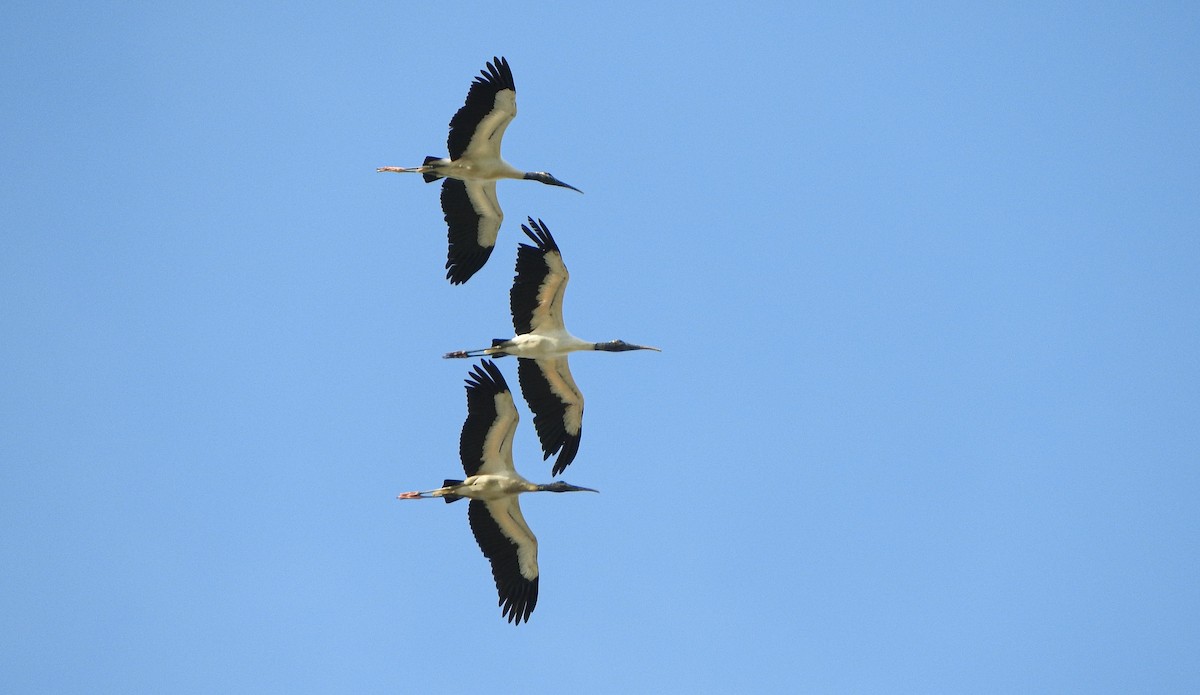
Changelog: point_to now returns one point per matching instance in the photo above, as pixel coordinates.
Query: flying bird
(492, 484)
(469, 200)
(542, 343)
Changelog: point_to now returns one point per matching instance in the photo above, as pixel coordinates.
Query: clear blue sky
(926, 280)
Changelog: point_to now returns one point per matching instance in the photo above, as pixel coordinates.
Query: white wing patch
(507, 513)
(482, 195)
(558, 374)
(497, 445)
(485, 143)
(548, 315)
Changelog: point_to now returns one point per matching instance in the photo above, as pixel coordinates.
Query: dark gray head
(622, 346)
(560, 486)
(547, 178)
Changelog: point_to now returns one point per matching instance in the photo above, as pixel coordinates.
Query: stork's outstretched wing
(511, 548)
(473, 218)
(536, 297)
(557, 406)
(485, 444)
(478, 126)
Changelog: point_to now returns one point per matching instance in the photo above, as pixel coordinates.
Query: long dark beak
(576, 488)
(626, 347)
(555, 182)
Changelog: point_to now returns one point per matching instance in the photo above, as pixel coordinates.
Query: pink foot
(409, 496)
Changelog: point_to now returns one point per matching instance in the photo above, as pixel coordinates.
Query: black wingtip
(457, 274)
(567, 454)
(463, 262)
(517, 602)
(540, 235)
(497, 73)
(486, 375)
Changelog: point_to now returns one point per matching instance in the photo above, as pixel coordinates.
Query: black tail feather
(451, 498)
(430, 177)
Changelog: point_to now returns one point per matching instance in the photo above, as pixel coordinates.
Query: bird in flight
(542, 343)
(469, 201)
(493, 485)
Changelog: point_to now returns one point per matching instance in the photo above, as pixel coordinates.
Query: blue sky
(925, 280)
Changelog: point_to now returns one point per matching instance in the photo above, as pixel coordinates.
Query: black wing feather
(531, 273)
(549, 416)
(481, 99)
(483, 384)
(465, 255)
(518, 595)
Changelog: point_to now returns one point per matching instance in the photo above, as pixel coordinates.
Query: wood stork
(542, 343)
(492, 484)
(469, 201)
